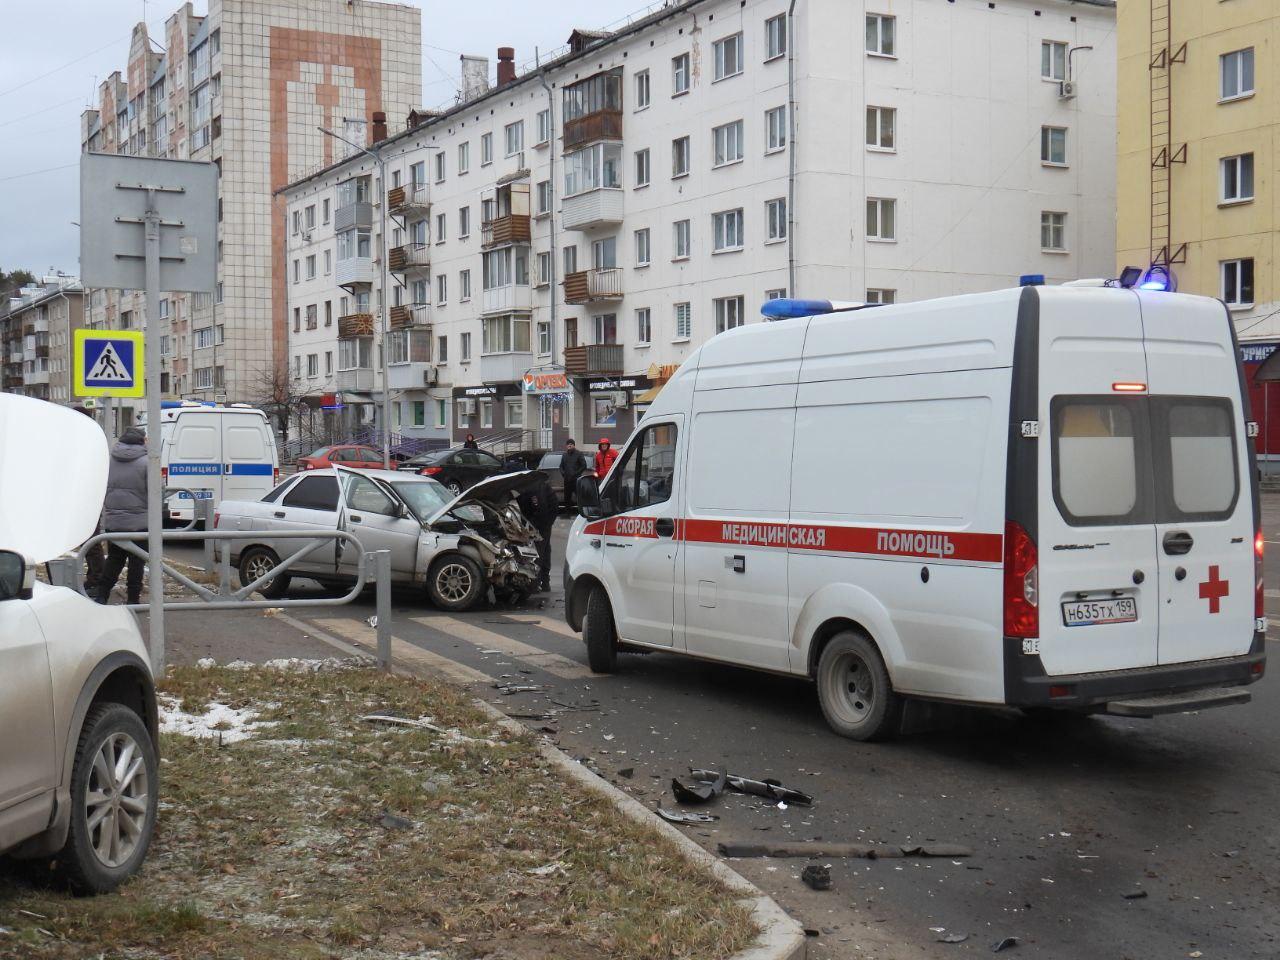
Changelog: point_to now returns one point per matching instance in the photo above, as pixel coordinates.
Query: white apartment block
(559, 242)
(246, 87)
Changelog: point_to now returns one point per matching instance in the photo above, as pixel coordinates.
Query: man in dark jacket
(539, 506)
(572, 465)
(125, 510)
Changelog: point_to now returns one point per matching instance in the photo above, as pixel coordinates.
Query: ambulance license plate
(1087, 613)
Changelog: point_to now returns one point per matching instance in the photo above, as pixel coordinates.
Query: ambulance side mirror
(587, 493)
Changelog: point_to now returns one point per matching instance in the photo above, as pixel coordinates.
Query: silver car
(457, 548)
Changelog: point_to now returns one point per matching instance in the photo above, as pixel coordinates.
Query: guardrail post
(224, 570)
(204, 520)
(382, 572)
(62, 573)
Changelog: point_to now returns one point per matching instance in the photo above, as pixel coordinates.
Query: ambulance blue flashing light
(1031, 280)
(1159, 278)
(788, 308)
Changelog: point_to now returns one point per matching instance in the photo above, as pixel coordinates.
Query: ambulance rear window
(1098, 472)
(1202, 468)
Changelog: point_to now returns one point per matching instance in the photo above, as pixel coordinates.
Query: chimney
(475, 77)
(379, 130)
(506, 65)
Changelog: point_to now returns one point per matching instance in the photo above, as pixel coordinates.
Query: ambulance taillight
(1021, 583)
(1259, 609)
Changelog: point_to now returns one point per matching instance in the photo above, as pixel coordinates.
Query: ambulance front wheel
(854, 689)
(599, 633)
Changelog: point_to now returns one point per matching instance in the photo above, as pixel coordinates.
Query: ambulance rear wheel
(854, 689)
(599, 633)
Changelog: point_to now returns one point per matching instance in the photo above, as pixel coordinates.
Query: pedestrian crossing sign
(108, 363)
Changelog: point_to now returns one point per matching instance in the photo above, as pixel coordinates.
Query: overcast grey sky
(53, 53)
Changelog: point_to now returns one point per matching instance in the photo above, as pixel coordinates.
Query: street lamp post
(376, 155)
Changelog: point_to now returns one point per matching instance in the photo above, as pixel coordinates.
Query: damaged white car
(458, 548)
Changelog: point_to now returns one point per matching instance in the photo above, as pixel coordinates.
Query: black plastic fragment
(816, 876)
(1008, 943)
(769, 789)
(698, 790)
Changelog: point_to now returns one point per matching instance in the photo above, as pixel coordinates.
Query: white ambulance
(1043, 497)
(212, 452)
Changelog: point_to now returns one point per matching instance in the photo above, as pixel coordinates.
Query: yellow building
(1198, 120)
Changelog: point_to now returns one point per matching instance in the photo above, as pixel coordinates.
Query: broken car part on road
(769, 789)
(821, 849)
(699, 792)
(686, 816)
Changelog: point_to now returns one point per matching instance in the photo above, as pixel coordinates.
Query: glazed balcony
(512, 228)
(408, 199)
(593, 286)
(408, 257)
(355, 325)
(512, 297)
(352, 216)
(354, 272)
(593, 360)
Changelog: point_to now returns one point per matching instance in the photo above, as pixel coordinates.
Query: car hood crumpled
(495, 491)
(53, 476)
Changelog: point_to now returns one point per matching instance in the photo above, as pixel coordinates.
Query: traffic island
(326, 809)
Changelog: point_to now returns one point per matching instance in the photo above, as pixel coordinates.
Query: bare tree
(279, 395)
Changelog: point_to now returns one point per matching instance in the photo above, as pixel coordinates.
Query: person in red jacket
(605, 455)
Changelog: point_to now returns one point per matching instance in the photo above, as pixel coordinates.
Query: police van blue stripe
(251, 469)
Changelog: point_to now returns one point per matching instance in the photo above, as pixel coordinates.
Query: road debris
(815, 848)
(627, 772)
(769, 789)
(423, 723)
(817, 876)
(686, 816)
(556, 868)
(952, 938)
(1008, 943)
(506, 689)
(700, 791)
(1136, 895)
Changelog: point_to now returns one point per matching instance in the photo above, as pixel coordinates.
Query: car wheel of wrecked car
(855, 691)
(113, 800)
(257, 562)
(600, 634)
(455, 582)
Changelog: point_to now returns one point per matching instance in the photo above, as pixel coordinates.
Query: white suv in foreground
(78, 723)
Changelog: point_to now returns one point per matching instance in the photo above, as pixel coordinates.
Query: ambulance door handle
(665, 527)
(1177, 542)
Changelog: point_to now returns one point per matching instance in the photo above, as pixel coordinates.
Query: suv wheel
(257, 561)
(599, 632)
(455, 582)
(854, 689)
(113, 800)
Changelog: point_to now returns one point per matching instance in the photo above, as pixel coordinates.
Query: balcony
(37, 377)
(409, 256)
(408, 317)
(352, 216)
(354, 271)
(512, 298)
(401, 200)
(595, 208)
(593, 360)
(512, 228)
(504, 367)
(591, 286)
(356, 380)
(600, 125)
(355, 325)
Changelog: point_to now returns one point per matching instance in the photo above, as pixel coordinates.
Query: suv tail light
(1259, 609)
(1021, 583)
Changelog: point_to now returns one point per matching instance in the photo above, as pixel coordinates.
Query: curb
(781, 936)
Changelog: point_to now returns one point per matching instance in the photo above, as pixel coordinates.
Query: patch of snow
(218, 722)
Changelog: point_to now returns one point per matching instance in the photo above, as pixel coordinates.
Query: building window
(328, 313)
(464, 222)
(509, 334)
(681, 243)
(1237, 178)
(514, 413)
(730, 313)
(297, 270)
(310, 218)
(1053, 60)
(644, 327)
(440, 228)
(775, 126)
(775, 37)
(486, 413)
(204, 375)
(420, 291)
(642, 89)
(544, 126)
(680, 75)
(297, 222)
(642, 168)
(328, 262)
(882, 125)
(544, 269)
(679, 157)
(881, 295)
(164, 308)
(325, 210)
(313, 365)
(880, 31)
(311, 267)
(593, 168)
(1237, 283)
(513, 134)
(776, 293)
(881, 218)
(328, 363)
(438, 160)
(395, 178)
(1053, 146)
(442, 349)
(1053, 230)
(464, 157)
(418, 173)
(728, 53)
(464, 285)
(313, 316)
(726, 230)
(1237, 74)
(544, 197)
(570, 260)
(604, 253)
(464, 347)
(204, 336)
(442, 289)
(544, 338)
(642, 247)
(606, 328)
(462, 415)
(728, 143)
(776, 216)
(486, 149)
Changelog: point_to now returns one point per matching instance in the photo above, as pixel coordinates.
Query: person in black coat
(539, 506)
(470, 442)
(572, 465)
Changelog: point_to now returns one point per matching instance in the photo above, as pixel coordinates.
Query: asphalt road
(1065, 817)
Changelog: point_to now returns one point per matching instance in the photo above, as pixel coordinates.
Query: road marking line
(365, 637)
(484, 639)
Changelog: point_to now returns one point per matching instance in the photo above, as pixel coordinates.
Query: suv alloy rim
(116, 799)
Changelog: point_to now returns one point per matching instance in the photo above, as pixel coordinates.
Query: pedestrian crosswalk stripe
(365, 637)
(483, 639)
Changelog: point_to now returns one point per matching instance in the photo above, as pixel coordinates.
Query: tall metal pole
(385, 360)
(151, 354)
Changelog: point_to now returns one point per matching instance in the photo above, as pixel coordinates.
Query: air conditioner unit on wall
(1067, 90)
(467, 407)
(429, 376)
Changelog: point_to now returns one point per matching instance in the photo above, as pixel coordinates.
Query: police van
(212, 452)
(1042, 497)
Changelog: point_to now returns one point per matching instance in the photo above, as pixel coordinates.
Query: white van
(1042, 497)
(215, 453)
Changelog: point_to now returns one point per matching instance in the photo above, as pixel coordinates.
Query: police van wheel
(854, 689)
(258, 561)
(599, 632)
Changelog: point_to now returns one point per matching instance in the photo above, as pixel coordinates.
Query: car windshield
(424, 497)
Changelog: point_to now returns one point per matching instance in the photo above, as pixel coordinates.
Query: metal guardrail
(371, 565)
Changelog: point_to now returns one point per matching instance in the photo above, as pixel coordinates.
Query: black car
(459, 468)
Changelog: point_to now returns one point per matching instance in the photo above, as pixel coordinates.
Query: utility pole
(155, 433)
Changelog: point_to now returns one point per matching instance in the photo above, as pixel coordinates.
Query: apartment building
(247, 86)
(36, 328)
(560, 242)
